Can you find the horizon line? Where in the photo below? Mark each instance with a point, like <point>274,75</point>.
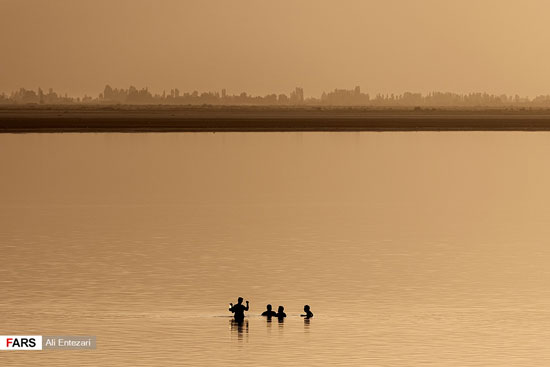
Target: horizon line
<point>336,97</point>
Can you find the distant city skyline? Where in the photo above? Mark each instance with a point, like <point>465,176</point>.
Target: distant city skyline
<point>296,97</point>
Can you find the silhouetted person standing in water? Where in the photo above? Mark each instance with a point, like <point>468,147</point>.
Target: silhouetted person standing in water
<point>239,309</point>
<point>281,312</point>
<point>308,312</point>
<point>269,312</point>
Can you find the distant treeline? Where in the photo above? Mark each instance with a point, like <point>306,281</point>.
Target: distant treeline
<point>338,97</point>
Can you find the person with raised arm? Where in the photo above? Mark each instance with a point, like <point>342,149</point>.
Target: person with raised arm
<point>238,309</point>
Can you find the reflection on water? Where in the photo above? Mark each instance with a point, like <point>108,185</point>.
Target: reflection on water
<point>413,249</point>
<point>240,327</point>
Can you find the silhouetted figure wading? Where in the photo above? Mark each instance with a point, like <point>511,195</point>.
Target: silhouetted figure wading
<point>238,309</point>
<point>308,312</point>
<point>269,312</point>
<point>281,312</point>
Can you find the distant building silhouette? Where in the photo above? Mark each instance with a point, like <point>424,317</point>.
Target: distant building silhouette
<point>297,96</point>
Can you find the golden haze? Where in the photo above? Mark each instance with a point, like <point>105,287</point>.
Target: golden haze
<point>272,46</point>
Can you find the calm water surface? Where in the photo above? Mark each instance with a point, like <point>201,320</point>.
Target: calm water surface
<point>413,249</point>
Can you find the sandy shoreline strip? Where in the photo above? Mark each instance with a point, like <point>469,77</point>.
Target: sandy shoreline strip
<point>45,119</point>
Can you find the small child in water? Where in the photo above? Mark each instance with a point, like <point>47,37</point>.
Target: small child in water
<point>281,312</point>
<point>308,312</point>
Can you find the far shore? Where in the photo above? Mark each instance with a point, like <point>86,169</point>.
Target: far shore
<point>167,118</point>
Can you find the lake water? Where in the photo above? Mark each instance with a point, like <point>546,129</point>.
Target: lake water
<point>413,249</point>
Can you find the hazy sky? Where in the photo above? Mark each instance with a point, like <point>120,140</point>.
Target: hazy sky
<point>78,46</point>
